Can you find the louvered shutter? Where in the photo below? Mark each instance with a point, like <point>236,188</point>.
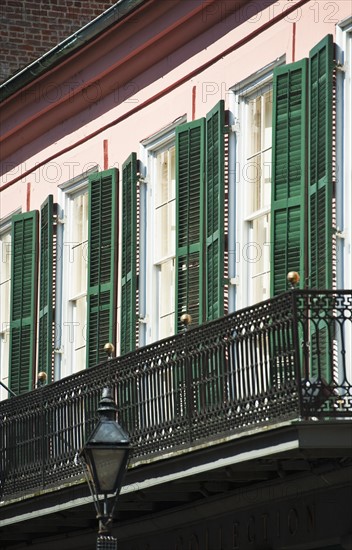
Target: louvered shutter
<point>190,140</point>
<point>215,166</point>
<point>23,301</point>
<point>320,190</point>
<point>288,206</point>
<point>102,264</point>
<point>129,301</point>
<point>46,286</point>
<point>320,163</point>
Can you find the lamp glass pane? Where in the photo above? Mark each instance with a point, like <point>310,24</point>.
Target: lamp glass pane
<point>108,463</point>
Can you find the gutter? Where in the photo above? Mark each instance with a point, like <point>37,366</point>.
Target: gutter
<point>108,18</point>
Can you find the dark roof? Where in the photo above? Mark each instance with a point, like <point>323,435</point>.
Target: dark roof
<point>108,18</point>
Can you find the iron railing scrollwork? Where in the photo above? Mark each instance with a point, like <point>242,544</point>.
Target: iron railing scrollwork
<point>286,358</point>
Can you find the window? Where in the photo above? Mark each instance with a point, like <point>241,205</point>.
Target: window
<point>5,292</point>
<point>89,264</point>
<point>257,172</point>
<point>303,178</point>
<point>253,111</point>
<point>201,218</point>
<point>153,238</point>
<point>164,243</point>
<point>303,190</point>
<point>179,214</point>
<point>75,262</point>
<point>33,264</point>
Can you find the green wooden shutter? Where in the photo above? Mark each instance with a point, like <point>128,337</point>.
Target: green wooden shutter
<point>215,163</point>
<point>190,139</point>
<point>320,163</point>
<point>320,191</point>
<point>45,336</point>
<point>102,264</point>
<point>23,301</point>
<point>129,301</point>
<point>288,196</point>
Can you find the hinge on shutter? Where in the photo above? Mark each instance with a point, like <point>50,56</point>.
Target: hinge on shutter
<point>234,281</point>
<point>143,320</point>
<point>140,178</point>
<point>341,234</point>
<point>341,67</point>
<point>56,219</point>
<point>236,127</point>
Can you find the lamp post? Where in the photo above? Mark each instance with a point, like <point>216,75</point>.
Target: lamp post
<point>105,457</point>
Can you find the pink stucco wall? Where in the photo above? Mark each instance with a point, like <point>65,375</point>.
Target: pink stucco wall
<point>65,150</point>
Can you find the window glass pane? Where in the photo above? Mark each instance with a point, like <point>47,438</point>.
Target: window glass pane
<point>268,105</point>
<point>166,299</point>
<point>165,230</point>
<point>78,257</point>
<point>165,223</point>
<point>5,278</point>
<point>258,257</point>
<point>164,236</point>
<point>255,125</point>
<point>165,176</point>
<point>258,157</point>
<point>5,291</point>
<point>79,341</point>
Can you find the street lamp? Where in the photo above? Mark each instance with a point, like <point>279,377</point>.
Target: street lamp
<point>105,457</point>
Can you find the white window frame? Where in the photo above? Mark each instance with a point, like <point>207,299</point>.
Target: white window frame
<point>240,269</point>
<point>150,148</point>
<point>64,348</point>
<point>5,229</point>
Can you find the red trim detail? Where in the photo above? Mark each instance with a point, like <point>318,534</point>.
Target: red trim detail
<point>28,197</point>
<point>194,94</point>
<point>294,42</point>
<point>106,154</point>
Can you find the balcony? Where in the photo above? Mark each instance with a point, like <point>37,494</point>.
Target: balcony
<point>283,360</point>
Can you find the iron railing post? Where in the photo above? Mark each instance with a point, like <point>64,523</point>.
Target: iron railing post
<point>297,349</point>
<point>188,381</point>
<point>42,444</point>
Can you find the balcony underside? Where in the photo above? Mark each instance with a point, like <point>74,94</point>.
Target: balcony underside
<point>297,458</point>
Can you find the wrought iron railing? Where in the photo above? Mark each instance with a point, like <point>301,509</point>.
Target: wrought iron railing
<point>286,358</point>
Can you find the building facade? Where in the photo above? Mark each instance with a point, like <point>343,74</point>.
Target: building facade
<point>181,159</point>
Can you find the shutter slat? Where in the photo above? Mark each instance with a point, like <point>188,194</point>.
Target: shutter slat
<point>288,174</point>
<point>190,139</point>
<point>320,163</point>
<point>320,189</point>
<point>23,317</point>
<point>45,335</point>
<point>129,302</point>
<point>102,264</point>
<point>215,163</point>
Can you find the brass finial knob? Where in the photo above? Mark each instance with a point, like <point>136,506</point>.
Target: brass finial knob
<point>186,319</point>
<point>109,349</point>
<point>293,278</point>
<point>41,378</point>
